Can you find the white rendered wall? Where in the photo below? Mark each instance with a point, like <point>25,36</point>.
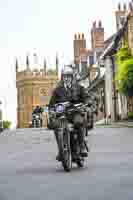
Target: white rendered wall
<point>109,89</point>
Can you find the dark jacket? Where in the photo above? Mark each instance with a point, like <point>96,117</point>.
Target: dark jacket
<point>76,94</point>
<point>37,110</point>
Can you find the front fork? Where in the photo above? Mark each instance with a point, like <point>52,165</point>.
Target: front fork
<point>59,135</point>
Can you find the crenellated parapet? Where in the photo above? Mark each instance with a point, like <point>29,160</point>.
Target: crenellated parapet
<point>35,75</point>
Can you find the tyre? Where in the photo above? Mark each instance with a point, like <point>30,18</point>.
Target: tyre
<point>37,123</point>
<point>67,159</point>
<point>64,143</point>
<point>80,163</point>
<point>33,124</point>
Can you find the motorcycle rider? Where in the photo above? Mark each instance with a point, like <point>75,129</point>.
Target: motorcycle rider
<point>75,93</point>
<point>38,111</point>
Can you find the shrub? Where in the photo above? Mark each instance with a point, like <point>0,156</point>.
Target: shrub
<point>130,115</point>
<point>124,74</point>
<point>6,124</point>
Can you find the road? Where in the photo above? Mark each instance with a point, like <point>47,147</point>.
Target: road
<point>29,171</point>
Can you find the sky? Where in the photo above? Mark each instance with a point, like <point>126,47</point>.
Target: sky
<point>44,27</point>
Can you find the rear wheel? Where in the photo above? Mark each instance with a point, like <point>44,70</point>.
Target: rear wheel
<point>80,163</point>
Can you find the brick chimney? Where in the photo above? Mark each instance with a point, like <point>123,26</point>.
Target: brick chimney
<point>97,36</point>
<point>120,14</point>
<point>78,43</point>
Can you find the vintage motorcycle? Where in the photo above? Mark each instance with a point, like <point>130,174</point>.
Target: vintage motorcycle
<point>36,121</point>
<point>68,134</point>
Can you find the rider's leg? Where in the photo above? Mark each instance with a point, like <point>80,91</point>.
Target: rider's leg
<point>79,125</point>
<point>81,135</point>
<point>54,125</point>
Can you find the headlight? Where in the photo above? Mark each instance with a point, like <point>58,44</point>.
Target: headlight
<point>60,108</point>
<point>35,116</point>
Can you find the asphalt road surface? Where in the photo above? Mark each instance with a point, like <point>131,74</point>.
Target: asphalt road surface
<point>29,171</point>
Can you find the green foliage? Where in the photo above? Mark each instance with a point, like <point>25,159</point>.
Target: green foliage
<point>124,74</point>
<point>6,124</point>
<point>123,54</point>
<point>130,115</point>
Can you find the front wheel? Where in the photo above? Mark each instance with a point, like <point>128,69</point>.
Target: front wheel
<point>67,161</point>
<point>38,124</point>
<point>64,142</point>
<point>33,124</point>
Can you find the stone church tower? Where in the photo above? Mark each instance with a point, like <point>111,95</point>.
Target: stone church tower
<point>34,87</point>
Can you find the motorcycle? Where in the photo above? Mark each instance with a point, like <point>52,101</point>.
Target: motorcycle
<point>36,121</point>
<point>68,134</point>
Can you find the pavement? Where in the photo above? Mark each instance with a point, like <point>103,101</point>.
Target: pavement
<point>29,171</point>
<point>123,123</point>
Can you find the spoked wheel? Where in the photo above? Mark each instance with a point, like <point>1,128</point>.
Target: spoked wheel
<point>67,158</point>
<point>64,144</point>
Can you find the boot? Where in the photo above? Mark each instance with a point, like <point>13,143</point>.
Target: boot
<point>58,157</point>
<point>83,151</point>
